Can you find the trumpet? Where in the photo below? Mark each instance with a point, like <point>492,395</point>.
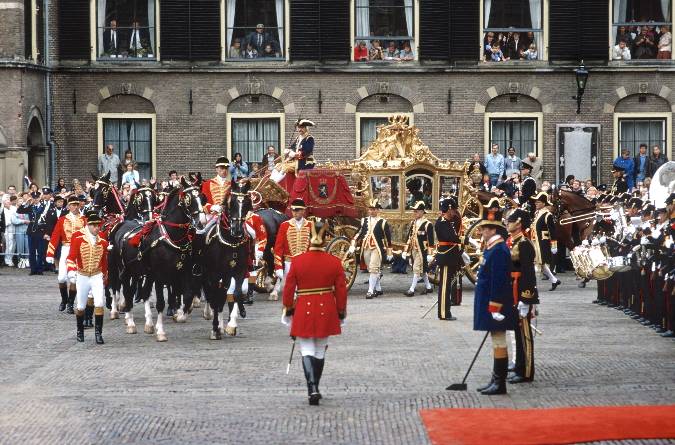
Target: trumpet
<point>584,217</point>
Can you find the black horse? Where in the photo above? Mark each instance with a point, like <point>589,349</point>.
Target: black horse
<point>226,256</point>
<point>272,220</point>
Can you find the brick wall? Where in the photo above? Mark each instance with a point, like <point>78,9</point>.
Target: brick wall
<point>11,30</point>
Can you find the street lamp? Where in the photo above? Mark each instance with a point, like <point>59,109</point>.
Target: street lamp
<point>581,74</point>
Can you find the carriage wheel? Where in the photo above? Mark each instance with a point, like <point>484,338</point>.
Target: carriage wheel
<point>472,208</point>
<point>338,247</point>
<point>473,249</point>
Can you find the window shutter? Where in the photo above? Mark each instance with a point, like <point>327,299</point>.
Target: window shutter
<point>434,30</point>
<point>594,30</point>
<point>174,18</point>
<point>564,30</point>
<point>334,30</point>
<point>74,40</point>
<point>305,30</point>
<point>204,29</point>
<point>28,32</point>
<point>464,30</point>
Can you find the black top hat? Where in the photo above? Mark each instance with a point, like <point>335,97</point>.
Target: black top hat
<point>543,197</point>
<point>298,204</point>
<point>419,205</point>
<point>522,216</point>
<point>222,162</point>
<point>93,217</point>
<point>448,203</point>
<point>491,216</point>
<point>72,199</point>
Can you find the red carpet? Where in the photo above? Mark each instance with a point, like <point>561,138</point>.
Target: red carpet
<point>450,426</point>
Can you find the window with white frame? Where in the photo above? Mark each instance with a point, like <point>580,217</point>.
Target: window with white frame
<point>519,133</point>
<point>513,30</point>
<point>367,124</point>
<point>134,135</point>
<point>125,29</point>
<point>650,131</point>
<point>252,136</point>
<point>642,29</point>
<point>255,29</point>
<point>384,30</point>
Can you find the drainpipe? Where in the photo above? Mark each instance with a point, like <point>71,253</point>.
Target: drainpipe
<point>48,92</point>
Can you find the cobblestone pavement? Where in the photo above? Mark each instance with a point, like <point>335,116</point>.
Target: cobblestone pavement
<point>387,365</point>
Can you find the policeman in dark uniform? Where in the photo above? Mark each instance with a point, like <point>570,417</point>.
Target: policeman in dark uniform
<point>448,256</point>
<point>525,293</point>
<point>528,187</point>
<point>40,209</point>
<point>620,185</point>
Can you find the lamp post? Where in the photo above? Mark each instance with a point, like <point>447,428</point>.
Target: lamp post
<point>581,75</point>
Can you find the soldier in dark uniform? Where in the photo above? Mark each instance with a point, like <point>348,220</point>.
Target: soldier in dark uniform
<point>525,293</point>
<point>528,188</point>
<point>493,300</point>
<point>448,256</point>
<point>543,237</point>
<point>41,212</point>
<point>620,185</point>
<point>419,245</point>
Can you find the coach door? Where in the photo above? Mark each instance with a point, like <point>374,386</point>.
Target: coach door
<point>577,152</point>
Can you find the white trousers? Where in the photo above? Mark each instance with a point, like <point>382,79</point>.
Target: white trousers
<point>315,347</point>
<point>244,287</point>
<point>9,248</point>
<point>95,285</point>
<point>63,268</point>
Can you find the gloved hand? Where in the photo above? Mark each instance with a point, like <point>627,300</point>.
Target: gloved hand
<point>47,237</point>
<point>285,319</point>
<point>584,243</point>
<point>216,208</point>
<point>524,309</point>
<point>72,274</point>
<point>466,258</point>
<point>595,242</point>
<point>351,250</point>
<point>496,316</point>
<point>603,239</point>
<point>292,153</point>
<point>279,273</point>
<point>430,258</point>
<point>390,258</point>
<point>644,241</point>
<point>404,255</point>
<point>554,250</point>
<point>258,255</point>
<point>49,260</point>
<point>110,247</point>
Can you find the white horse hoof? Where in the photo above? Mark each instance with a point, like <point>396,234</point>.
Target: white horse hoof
<point>114,315</point>
<point>231,331</point>
<point>181,318</point>
<point>161,337</point>
<point>216,335</point>
<point>196,302</point>
<point>131,329</point>
<point>149,329</point>
<point>121,306</point>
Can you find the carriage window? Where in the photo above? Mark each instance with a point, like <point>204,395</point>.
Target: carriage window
<point>385,189</point>
<point>126,29</point>
<point>633,132</point>
<point>512,30</point>
<point>449,186</point>
<point>255,30</point>
<point>250,137</point>
<point>520,134</point>
<point>134,135</point>
<point>641,25</point>
<point>419,187</point>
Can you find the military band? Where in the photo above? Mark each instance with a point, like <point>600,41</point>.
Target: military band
<point>543,237</point>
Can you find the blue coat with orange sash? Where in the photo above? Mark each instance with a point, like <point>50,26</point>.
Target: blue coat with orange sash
<point>321,286</point>
<point>493,292</point>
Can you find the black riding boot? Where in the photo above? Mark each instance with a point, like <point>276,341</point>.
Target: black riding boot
<point>63,288</point>
<point>98,329</point>
<point>88,316</point>
<point>318,370</point>
<point>310,376</point>
<point>80,327</point>
<point>249,295</point>
<point>242,308</point>
<point>492,381</point>
<point>501,366</point>
<point>71,301</point>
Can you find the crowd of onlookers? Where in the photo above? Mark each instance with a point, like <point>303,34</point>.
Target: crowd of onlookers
<point>372,51</point>
<point>505,46</point>
<point>642,42</point>
<point>256,45</point>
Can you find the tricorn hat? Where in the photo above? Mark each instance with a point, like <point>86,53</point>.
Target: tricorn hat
<point>222,162</point>
<point>304,123</point>
<point>491,216</point>
<point>543,197</point>
<point>93,217</point>
<point>419,205</point>
<point>522,216</point>
<point>318,235</point>
<point>298,204</point>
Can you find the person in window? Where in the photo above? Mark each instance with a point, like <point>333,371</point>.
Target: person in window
<point>250,52</point>
<point>375,52</point>
<point>665,44</point>
<point>656,160</point>
<point>131,176</point>
<point>487,46</point>
<point>270,159</point>
<point>406,53</point>
<point>645,48</point>
<point>238,168</point>
<point>112,39</point>
<point>138,40</point>
<point>268,52</point>
<point>515,47</point>
<point>361,52</point>
<point>531,52</point>
<point>259,38</point>
<point>641,162</point>
<point>392,53</point>
<point>621,51</point>
<point>626,163</point>
<point>623,34</point>
<point>235,49</point>
<point>496,54</point>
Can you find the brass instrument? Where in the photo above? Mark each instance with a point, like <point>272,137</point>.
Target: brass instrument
<point>585,216</point>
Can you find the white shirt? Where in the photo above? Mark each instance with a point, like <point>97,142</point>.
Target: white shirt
<point>620,54</point>
<point>113,38</point>
<point>135,39</point>
<point>299,222</point>
<point>9,213</point>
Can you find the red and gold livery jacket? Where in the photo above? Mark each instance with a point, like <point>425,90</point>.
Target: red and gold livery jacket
<point>255,222</point>
<point>63,232</point>
<point>291,241</point>
<point>88,258</point>
<point>215,192</point>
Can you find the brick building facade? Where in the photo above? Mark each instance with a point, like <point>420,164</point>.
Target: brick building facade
<point>189,102</point>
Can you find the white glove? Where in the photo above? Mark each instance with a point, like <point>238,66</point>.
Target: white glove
<point>72,274</point>
<point>404,255</point>
<point>215,208</point>
<point>644,241</point>
<point>351,250</point>
<point>496,316</point>
<point>285,320</point>
<point>342,322</point>
<point>523,308</point>
<point>110,247</point>
<point>258,255</point>
<point>390,258</point>
<point>595,242</point>
<point>603,239</point>
<point>430,258</point>
<point>292,153</point>
<point>584,243</point>
<point>47,237</point>
<point>466,258</point>
<point>554,250</point>
<point>279,273</point>
<point>49,260</point>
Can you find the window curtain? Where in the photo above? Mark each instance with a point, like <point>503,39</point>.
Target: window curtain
<point>231,8</point>
<point>111,133</point>
<point>535,16</point>
<point>665,9</point>
<point>270,137</point>
<point>498,134</point>
<point>280,25</point>
<point>527,142</point>
<point>620,9</point>
<point>486,10</point>
<point>102,4</point>
<point>140,144</point>
<point>409,21</point>
<point>363,18</point>
<point>369,131</point>
<point>151,25</point>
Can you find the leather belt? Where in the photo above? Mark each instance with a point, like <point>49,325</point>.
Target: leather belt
<point>315,291</point>
<point>447,243</point>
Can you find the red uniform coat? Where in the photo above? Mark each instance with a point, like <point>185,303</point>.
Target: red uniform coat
<point>256,223</point>
<point>64,229</point>
<point>214,192</point>
<point>86,258</point>
<point>316,313</point>
<point>291,241</point>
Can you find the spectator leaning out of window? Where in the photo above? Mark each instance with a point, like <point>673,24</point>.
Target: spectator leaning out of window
<point>392,53</point>
<point>645,48</point>
<point>235,49</point>
<point>531,52</point>
<point>361,52</point>
<point>375,52</point>
<point>406,53</point>
<point>665,44</point>
<point>621,51</point>
<point>496,54</point>
<point>656,160</point>
<point>626,162</point>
